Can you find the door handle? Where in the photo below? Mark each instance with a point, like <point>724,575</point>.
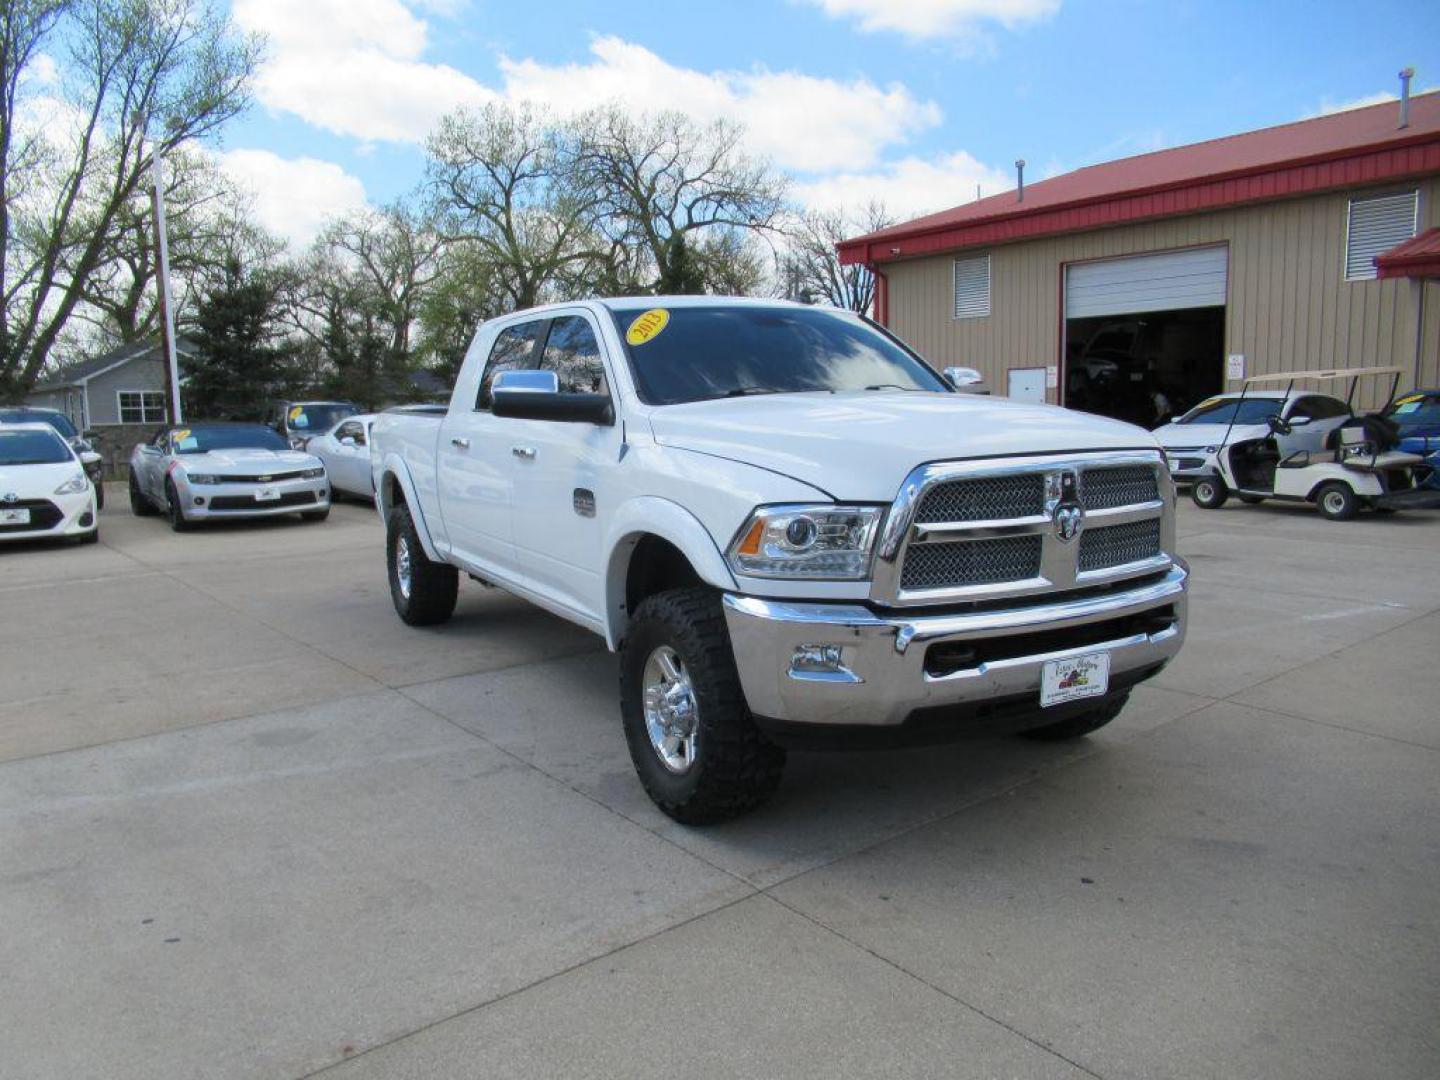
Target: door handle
<point>526,453</point>
<point>463,444</point>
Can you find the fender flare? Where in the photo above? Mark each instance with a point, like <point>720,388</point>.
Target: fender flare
<point>653,516</point>
<point>394,465</point>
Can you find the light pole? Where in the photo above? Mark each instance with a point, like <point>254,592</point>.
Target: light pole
<point>162,247</point>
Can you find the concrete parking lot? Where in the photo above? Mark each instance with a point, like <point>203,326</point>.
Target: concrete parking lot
<point>252,825</point>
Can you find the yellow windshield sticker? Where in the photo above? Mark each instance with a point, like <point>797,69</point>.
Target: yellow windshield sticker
<point>1208,402</point>
<point>647,326</point>
<point>183,433</point>
<point>1412,397</point>
<point>296,412</point>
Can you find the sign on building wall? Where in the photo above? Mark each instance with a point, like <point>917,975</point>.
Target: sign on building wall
<point>1235,366</point>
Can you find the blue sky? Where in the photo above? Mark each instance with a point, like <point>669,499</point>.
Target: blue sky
<point>912,101</point>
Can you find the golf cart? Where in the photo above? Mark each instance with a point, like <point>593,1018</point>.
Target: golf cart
<point>1358,465</point>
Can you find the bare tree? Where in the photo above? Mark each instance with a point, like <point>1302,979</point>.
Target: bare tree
<point>393,255</point>
<point>209,227</point>
<point>135,75</point>
<point>810,267</point>
<point>501,182</point>
<point>669,190</point>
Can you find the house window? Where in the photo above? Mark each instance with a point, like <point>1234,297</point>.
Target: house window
<point>142,406</point>
<point>972,287</point>
<point>1377,223</point>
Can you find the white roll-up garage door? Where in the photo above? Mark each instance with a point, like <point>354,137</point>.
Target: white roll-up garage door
<point>1166,282</point>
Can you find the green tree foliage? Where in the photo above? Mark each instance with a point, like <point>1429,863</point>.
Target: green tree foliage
<point>241,356</point>
<point>136,76</point>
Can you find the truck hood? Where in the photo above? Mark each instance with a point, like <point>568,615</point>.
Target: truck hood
<point>861,445</point>
<point>247,461</point>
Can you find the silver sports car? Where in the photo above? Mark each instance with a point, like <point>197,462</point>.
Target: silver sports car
<point>209,471</point>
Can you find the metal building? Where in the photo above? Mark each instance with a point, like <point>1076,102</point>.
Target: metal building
<point>1314,244</point>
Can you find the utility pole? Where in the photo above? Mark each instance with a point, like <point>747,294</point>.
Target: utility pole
<point>162,247</point>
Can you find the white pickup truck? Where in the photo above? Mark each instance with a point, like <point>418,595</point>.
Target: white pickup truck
<point>792,529</point>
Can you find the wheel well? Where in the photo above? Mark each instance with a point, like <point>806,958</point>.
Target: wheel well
<point>392,493</point>
<point>655,566</point>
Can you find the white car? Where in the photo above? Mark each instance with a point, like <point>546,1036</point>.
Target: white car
<point>44,491</point>
<point>1191,441</point>
<point>345,451</point>
<point>212,471</point>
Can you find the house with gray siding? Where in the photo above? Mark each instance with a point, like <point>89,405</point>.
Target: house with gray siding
<point>120,395</point>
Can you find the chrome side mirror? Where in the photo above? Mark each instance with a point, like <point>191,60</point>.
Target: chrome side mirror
<point>963,376</point>
<point>527,382</point>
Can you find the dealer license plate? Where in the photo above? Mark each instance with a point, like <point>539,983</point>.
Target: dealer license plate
<point>267,495</point>
<point>14,517</point>
<point>1074,678</point>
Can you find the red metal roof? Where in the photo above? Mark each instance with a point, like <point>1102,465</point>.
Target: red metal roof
<point>1358,146</point>
<point>1418,257</point>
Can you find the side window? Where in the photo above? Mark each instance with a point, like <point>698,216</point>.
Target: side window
<point>1324,408</point>
<point>514,350</point>
<point>574,355</point>
<point>348,431</point>
<point>359,433</point>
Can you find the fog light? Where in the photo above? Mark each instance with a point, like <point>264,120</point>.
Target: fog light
<point>87,519</point>
<point>199,500</point>
<point>817,658</point>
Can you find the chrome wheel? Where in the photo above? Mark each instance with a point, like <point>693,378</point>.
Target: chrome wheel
<point>402,566</point>
<point>672,716</point>
<point>1335,502</point>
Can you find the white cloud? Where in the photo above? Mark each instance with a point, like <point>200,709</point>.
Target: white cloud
<point>294,197</point>
<point>802,122</point>
<point>354,67</point>
<point>910,187</point>
<point>1328,106</point>
<point>938,18</point>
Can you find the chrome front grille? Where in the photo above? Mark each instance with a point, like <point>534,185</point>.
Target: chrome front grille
<point>986,498</point>
<point>971,562</point>
<point>1107,488</point>
<point>1021,526</point>
<point>1117,545</point>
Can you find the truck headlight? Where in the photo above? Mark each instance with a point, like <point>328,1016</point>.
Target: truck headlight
<point>824,542</point>
<point>203,478</point>
<point>75,485</point>
<point>313,474</point>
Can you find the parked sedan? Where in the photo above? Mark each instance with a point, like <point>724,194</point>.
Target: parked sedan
<point>44,491</point>
<point>209,471</point>
<point>345,450</point>
<point>1190,441</point>
<point>90,458</point>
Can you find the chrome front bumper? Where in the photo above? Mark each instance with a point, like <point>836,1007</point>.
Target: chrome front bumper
<point>882,677</point>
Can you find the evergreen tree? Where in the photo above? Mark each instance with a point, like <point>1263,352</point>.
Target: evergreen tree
<point>240,358</point>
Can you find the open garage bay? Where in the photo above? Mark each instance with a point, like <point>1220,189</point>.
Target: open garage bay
<point>252,825</point>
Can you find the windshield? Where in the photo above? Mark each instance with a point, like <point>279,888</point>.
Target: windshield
<point>1223,410</point>
<point>317,417</point>
<point>701,353</point>
<point>59,421</point>
<point>1414,410</point>
<point>33,448</point>
<point>201,440</point>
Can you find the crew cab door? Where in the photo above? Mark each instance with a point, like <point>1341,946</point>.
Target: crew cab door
<point>560,473</point>
<point>474,465</point>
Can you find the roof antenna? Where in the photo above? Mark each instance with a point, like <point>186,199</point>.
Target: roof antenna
<point>1020,180</point>
<point>1406,75</point>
